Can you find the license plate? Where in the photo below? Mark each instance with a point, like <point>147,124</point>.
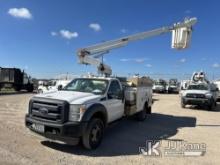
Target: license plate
<point>38,127</point>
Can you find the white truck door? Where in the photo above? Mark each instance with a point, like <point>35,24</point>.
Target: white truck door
<point>114,103</point>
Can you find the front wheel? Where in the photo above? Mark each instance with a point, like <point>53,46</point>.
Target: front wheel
<point>93,135</point>
<point>183,105</point>
<point>142,115</point>
<point>212,105</point>
<point>149,110</point>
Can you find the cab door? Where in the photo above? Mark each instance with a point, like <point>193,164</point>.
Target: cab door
<point>114,102</point>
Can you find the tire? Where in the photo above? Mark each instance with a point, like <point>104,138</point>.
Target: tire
<point>182,104</point>
<point>93,135</point>
<point>142,115</point>
<point>17,88</point>
<point>30,87</point>
<point>60,87</point>
<point>212,105</point>
<point>148,110</point>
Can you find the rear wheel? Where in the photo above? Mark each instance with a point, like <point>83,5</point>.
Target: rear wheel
<point>17,88</point>
<point>142,115</point>
<point>60,87</point>
<point>93,134</point>
<point>211,106</point>
<point>148,110</point>
<point>183,105</point>
<point>30,87</point>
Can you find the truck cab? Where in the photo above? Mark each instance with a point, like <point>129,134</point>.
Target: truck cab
<point>172,86</point>
<point>217,83</point>
<point>84,108</point>
<point>203,94</point>
<point>159,86</point>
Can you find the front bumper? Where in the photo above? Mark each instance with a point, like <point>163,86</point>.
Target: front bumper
<point>158,90</point>
<point>174,90</point>
<point>196,101</point>
<point>62,132</point>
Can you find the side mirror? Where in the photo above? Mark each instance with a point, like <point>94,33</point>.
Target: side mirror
<point>217,89</point>
<point>119,95</point>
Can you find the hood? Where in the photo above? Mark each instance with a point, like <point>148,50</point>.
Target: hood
<point>158,86</point>
<point>173,86</point>
<point>72,97</point>
<point>196,91</point>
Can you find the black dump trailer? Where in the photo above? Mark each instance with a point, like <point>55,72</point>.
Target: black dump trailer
<point>14,78</point>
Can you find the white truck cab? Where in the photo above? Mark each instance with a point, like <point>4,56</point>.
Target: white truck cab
<point>85,107</point>
<point>200,92</point>
<point>172,86</point>
<point>159,86</point>
<point>217,83</point>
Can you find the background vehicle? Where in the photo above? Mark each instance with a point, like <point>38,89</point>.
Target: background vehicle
<point>159,86</point>
<point>14,78</point>
<point>217,83</point>
<point>52,85</point>
<point>200,92</point>
<point>172,86</point>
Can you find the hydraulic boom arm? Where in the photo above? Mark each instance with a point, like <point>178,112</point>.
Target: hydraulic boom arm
<point>180,40</point>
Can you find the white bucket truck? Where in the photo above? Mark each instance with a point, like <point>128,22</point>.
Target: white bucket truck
<point>85,107</point>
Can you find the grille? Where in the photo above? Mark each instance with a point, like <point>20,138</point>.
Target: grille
<point>191,95</point>
<point>49,110</point>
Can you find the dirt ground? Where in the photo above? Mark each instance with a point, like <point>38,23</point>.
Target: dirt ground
<point>168,123</point>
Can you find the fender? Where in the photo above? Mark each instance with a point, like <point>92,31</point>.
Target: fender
<point>95,108</point>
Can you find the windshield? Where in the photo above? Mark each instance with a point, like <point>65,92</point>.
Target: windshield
<point>88,85</point>
<point>51,83</point>
<point>197,87</point>
<point>159,83</point>
<point>173,83</point>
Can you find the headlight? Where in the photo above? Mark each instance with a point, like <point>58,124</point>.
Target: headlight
<point>76,112</point>
<point>208,95</point>
<point>183,94</point>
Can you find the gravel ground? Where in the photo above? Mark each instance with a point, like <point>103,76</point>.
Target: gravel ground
<point>168,123</point>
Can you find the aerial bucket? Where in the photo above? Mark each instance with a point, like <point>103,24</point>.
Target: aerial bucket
<point>181,37</point>
<point>199,77</point>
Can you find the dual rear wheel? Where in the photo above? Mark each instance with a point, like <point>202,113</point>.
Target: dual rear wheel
<point>142,115</point>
